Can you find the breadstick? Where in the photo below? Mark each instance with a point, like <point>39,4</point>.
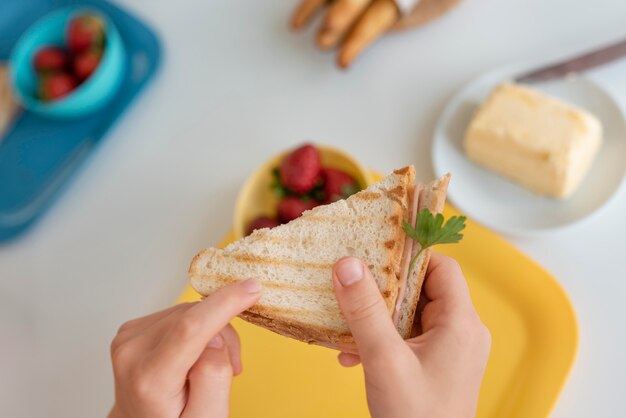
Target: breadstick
<point>305,11</point>
<point>376,20</point>
<point>340,16</point>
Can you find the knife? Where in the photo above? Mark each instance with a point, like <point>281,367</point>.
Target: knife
<point>575,65</point>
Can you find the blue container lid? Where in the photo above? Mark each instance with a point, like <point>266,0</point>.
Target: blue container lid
<point>40,155</point>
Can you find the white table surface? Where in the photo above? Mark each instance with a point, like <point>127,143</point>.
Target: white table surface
<point>236,87</point>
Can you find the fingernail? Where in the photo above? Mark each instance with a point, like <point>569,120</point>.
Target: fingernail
<point>349,271</point>
<point>251,285</point>
<point>217,342</point>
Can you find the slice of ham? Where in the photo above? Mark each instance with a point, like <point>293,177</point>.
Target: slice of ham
<point>408,253</point>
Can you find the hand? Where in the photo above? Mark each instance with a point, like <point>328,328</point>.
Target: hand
<point>354,23</point>
<point>180,362</point>
<point>437,374</point>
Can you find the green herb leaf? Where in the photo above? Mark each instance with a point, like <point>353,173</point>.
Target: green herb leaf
<point>348,190</point>
<point>430,230</point>
<point>317,193</point>
<point>277,186</point>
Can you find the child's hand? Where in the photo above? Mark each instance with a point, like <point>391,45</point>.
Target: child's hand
<point>437,374</point>
<point>180,362</point>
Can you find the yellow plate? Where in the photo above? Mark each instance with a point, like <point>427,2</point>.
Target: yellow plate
<point>535,339</point>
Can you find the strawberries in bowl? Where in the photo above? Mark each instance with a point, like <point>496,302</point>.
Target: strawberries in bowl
<point>292,207</point>
<point>85,32</point>
<point>55,86</point>
<point>86,63</point>
<point>300,170</point>
<point>338,185</point>
<point>261,222</point>
<point>62,68</point>
<point>48,47</point>
<point>51,59</point>
<point>302,179</point>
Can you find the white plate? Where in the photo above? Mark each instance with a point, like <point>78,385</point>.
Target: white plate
<point>504,206</point>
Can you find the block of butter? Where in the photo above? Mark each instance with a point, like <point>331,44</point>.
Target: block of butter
<point>542,143</point>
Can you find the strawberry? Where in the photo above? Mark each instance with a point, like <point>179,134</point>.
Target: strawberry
<point>84,32</point>
<point>50,59</point>
<point>55,86</point>
<point>86,63</point>
<point>337,185</point>
<point>261,222</point>
<point>300,170</point>
<point>291,207</point>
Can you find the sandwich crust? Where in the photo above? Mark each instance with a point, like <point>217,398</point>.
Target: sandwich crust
<point>298,330</point>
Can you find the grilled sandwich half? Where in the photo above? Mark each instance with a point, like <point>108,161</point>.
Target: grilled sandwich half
<point>294,261</point>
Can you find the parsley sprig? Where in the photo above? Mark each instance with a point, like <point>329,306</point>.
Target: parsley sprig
<point>430,230</point>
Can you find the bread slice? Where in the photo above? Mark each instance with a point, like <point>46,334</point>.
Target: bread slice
<point>433,197</point>
<point>294,261</point>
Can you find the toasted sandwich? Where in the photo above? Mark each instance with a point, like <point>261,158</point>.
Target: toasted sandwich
<point>294,261</point>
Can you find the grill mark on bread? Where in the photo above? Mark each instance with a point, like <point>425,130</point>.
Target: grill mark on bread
<point>390,244</point>
<point>249,258</point>
<point>394,219</point>
<point>393,195</point>
<point>386,294</point>
<point>401,171</point>
<point>336,218</point>
<point>271,285</point>
<point>398,192</point>
<point>367,196</point>
<point>387,269</point>
<point>274,309</point>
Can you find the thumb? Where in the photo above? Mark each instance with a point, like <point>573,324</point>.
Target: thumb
<point>364,309</point>
<point>209,382</point>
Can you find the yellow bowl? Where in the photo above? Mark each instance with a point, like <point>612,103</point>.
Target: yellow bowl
<point>256,197</point>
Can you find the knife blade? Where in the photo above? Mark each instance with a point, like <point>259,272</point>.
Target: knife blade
<point>577,64</point>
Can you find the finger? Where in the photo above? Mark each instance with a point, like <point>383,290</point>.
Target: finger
<point>149,327</point>
<point>348,359</point>
<point>376,20</point>
<point>209,382</point>
<point>187,338</point>
<point>447,291</point>
<point>364,309</point>
<point>151,336</point>
<point>340,16</point>
<point>305,11</point>
<point>445,282</point>
<point>346,348</point>
<point>147,320</point>
<point>234,348</point>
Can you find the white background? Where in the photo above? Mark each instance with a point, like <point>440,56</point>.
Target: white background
<point>235,88</point>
